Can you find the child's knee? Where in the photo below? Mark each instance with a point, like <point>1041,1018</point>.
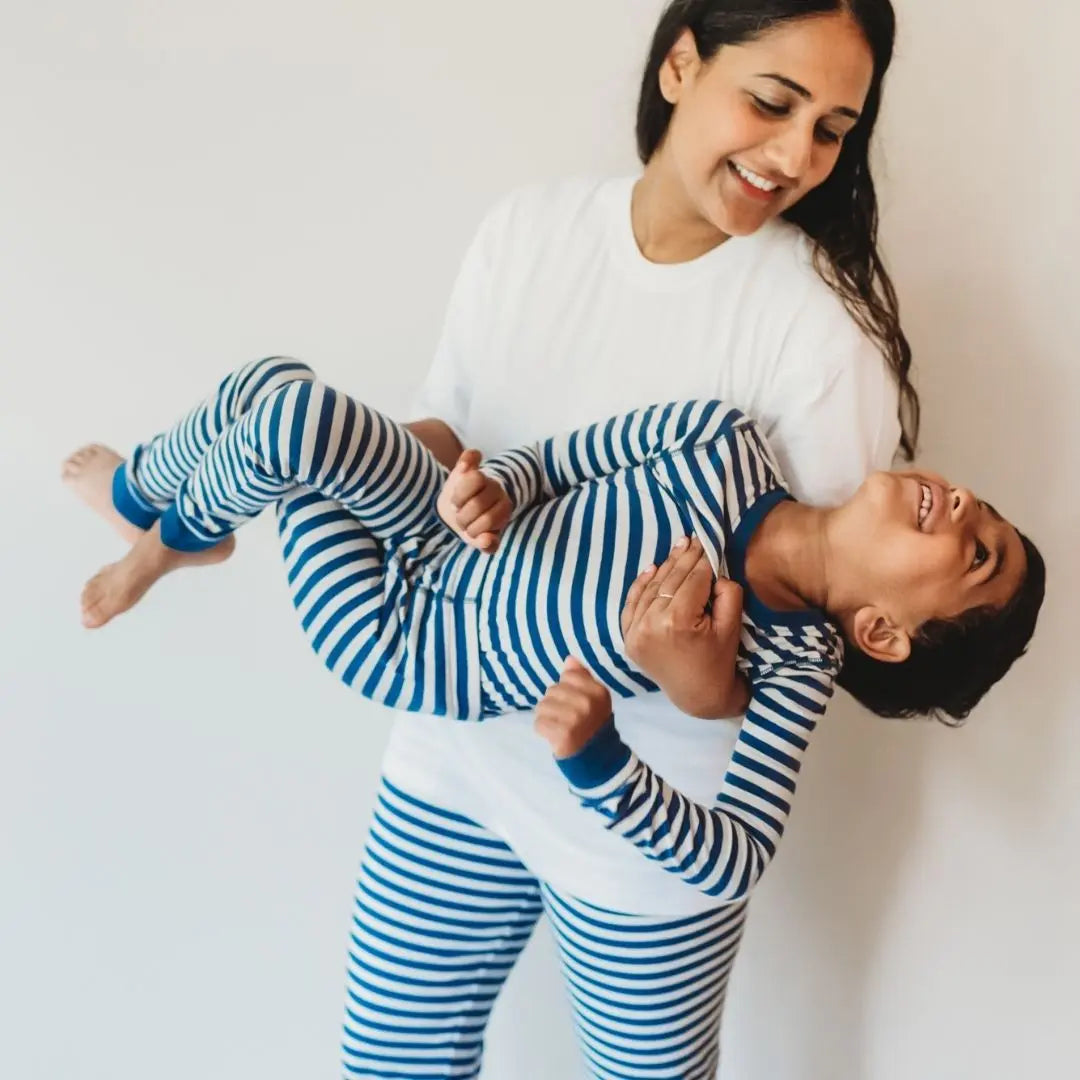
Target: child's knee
<point>262,377</point>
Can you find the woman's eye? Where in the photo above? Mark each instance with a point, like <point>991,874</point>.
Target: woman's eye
<point>768,107</point>
<point>981,555</point>
<point>827,136</point>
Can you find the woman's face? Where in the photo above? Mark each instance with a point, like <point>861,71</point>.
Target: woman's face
<point>762,124</point>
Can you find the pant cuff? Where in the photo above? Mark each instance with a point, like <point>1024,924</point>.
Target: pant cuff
<point>178,536</point>
<point>129,504</point>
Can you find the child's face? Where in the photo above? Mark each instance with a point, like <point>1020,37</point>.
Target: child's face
<point>926,550</point>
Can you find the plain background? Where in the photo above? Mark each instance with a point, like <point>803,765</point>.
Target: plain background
<point>185,187</point>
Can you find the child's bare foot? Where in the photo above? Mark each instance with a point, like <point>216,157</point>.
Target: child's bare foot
<point>121,585</point>
<point>89,473</point>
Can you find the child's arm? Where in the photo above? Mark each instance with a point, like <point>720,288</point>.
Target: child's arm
<point>540,471</point>
<point>721,850</point>
<point>532,474</point>
<point>631,439</point>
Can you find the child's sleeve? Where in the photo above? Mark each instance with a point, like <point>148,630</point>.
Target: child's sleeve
<point>724,849</point>
<point>542,471</point>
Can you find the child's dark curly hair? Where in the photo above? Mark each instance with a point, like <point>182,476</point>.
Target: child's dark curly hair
<point>953,662</point>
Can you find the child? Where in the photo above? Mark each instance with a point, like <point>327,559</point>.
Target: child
<point>929,591</point>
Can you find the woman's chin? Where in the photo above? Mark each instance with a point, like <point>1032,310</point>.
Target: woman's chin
<point>741,220</point>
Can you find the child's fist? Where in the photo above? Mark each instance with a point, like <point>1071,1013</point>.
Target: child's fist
<point>474,504</point>
<point>573,710</point>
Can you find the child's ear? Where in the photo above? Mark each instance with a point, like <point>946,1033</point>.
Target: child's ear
<point>875,634</point>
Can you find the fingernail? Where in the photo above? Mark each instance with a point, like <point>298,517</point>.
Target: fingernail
<point>681,545</point>
<point>650,569</point>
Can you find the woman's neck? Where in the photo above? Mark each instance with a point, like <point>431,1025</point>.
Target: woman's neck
<point>667,228</point>
<point>786,559</point>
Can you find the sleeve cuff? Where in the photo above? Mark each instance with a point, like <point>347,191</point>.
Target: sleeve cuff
<point>598,760</point>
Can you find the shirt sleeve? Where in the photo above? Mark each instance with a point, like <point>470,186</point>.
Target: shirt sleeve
<point>834,419</point>
<point>546,470</point>
<point>446,391</point>
<point>724,849</point>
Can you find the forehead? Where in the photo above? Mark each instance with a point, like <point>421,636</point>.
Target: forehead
<point>827,54</point>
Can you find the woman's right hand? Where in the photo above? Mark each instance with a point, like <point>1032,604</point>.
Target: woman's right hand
<point>473,504</point>
<point>687,649</point>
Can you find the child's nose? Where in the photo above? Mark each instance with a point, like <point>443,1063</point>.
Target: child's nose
<point>963,503</point>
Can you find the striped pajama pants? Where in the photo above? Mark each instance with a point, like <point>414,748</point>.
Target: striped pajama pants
<point>442,910</point>
<point>385,592</point>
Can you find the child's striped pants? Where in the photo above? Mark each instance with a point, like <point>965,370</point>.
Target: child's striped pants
<point>381,585</point>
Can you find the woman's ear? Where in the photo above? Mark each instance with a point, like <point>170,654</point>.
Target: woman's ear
<point>874,633</point>
<point>679,67</point>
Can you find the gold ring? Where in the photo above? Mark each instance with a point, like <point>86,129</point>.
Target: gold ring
<point>666,595</point>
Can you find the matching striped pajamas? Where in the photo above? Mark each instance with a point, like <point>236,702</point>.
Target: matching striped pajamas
<point>403,611</point>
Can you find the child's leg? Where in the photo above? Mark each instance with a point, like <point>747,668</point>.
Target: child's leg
<point>148,481</point>
<point>130,495</point>
<point>301,434</point>
<point>307,434</point>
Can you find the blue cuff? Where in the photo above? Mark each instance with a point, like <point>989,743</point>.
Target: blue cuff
<point>598,760</point>
<point>127,502</point>
<point>176,535</point>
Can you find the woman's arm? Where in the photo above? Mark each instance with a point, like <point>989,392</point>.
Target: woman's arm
<point>439,438</point>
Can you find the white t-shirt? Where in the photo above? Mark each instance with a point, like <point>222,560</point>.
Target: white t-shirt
<point>557,320</point>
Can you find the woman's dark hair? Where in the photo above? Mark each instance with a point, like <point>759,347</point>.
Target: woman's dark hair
<point>953,662</point>
<point>841,215</point>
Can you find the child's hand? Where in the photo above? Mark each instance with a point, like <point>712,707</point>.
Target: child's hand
<point>473,504</point>
<point>573,710</point>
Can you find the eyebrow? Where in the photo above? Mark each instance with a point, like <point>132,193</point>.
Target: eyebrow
<point>999,565</point>
<point>804,93</point>
<point>999,551</point>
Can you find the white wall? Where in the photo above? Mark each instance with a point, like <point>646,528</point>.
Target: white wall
<point>182,797</point>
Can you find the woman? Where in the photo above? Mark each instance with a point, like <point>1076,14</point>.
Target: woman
<point>742,264</point>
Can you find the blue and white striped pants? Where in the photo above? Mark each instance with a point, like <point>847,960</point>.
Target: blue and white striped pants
<point>442,910</point>
<point>380,584</point>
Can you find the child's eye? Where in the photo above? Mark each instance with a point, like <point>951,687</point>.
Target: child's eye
<point>981,555</point>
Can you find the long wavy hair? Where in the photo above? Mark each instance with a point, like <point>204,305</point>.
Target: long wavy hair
<point>841,215</point>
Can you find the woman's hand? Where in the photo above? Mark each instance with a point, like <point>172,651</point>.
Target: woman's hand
<point>474,504</point>
<point>573,710</point>
<point>684,648</point>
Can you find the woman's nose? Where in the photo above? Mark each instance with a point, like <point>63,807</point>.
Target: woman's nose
<point>792,152</point>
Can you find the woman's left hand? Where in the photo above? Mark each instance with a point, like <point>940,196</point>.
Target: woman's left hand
<point>686,649</point>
